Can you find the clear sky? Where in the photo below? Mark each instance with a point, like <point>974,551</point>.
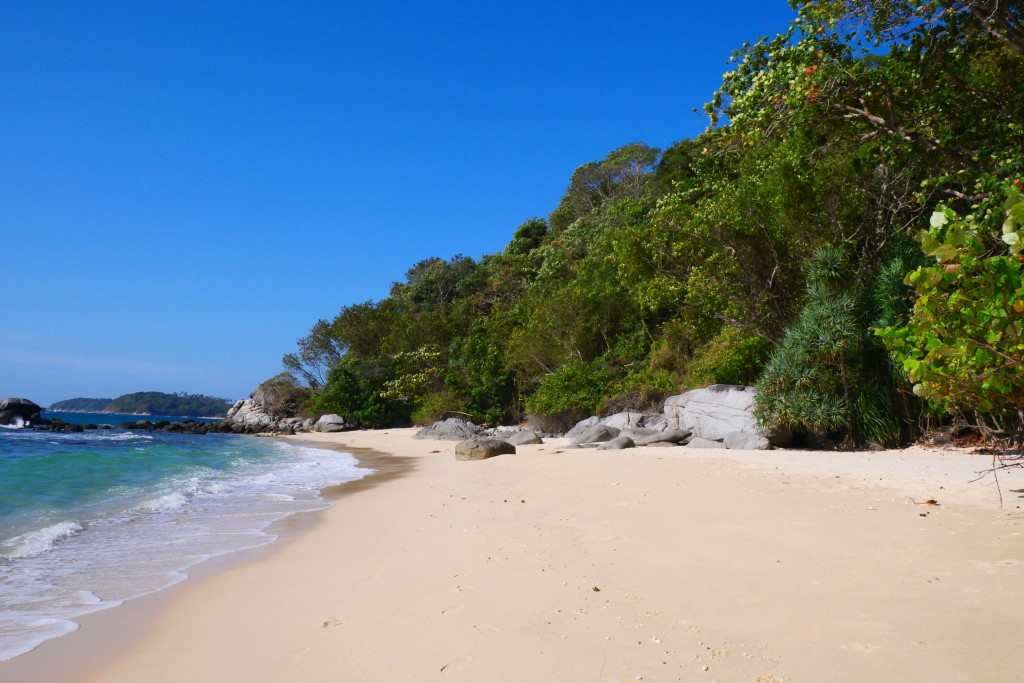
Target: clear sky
<point>185,187</point>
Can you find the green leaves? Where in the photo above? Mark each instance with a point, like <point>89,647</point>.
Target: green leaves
<point>963,347</point>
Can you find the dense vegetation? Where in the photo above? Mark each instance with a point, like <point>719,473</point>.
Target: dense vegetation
<point>82,405</point>
<point>149,402</point>
<point>844,235</point>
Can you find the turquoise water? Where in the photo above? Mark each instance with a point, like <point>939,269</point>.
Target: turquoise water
<point>91,519</point>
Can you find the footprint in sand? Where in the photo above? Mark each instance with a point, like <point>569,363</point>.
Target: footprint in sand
<point>862,648</point>
<point>993,568</point>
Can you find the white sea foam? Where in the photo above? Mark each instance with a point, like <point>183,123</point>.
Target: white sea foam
<point>55,574</point>
<point>38,541</point>
<point>165,503</point>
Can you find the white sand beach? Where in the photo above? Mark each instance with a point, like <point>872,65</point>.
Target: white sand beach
<point>557,564</point>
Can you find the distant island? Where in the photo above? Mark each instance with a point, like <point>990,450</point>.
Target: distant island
<point>149,403</point>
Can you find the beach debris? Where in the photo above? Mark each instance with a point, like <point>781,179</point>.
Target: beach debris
<point>930,501</point>
<point>596,589</point>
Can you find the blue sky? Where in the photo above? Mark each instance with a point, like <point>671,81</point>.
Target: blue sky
<point>185,187</point>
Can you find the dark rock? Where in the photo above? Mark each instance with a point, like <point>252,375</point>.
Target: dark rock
<point>582,426</point>
<point>482,448</point>
<point>523,437</point>
<point>674,436</point>
<point>18,411</point>
<point>595,434</point>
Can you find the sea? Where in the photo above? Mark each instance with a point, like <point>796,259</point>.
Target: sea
<point>91,519</point>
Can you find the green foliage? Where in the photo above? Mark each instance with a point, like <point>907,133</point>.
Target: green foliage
<point>657,270</point>
<point>353,391</point>
<point>963,346</point>
<point>732,357</point>
<point>822,377</point>
<point>282,396</point>
<point>150,402</point>
<point>575,387</point>
<point>435,405</point>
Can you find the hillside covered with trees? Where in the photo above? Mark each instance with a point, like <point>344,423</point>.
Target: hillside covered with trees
<point>844,235</point>
<point>149,402</point>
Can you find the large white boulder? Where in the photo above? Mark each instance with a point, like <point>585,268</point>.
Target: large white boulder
<point>624,420</point>
<point>330,423</point>
<point>718,411</point>
<point>250,413</point>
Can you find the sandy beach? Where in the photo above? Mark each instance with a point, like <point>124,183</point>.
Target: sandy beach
<point>556,564</point>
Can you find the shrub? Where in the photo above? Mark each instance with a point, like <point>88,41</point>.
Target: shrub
<point>827,376</point>
<point>732,357</point>
<point>577,386</point>
<point>963,346</point>
<point>433,406</point>
<point>352,391</point>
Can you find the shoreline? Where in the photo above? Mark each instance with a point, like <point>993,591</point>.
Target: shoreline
<point>727,558</point>
<point>102,635</point>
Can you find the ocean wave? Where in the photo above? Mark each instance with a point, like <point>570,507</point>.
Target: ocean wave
<point>145,536</point>
<point>173,500</point>
<point>123,436</point>
<point>39,541</point>
<point>166,503</point>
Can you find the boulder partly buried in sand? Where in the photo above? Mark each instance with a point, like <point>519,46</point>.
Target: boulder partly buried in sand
<point>698,442</point>
<point>617,444</point>
<point>747,441</point>
<point>668,436</point>
<point>523,437</point>
<point>481,449</point>
<point>595,434</point>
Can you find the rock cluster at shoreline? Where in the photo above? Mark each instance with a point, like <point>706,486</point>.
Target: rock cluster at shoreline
<point>19,411</point>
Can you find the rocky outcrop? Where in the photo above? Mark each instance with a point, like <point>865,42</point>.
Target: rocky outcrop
<point>281,396</point>
<point>482,448</point>
<point>250,415</point>
<point>452,429</point>
<point>330,423</point>
<point>714,411</point>
<point>718,411</point>
<point>19,412</point>
<point>626,420</point>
